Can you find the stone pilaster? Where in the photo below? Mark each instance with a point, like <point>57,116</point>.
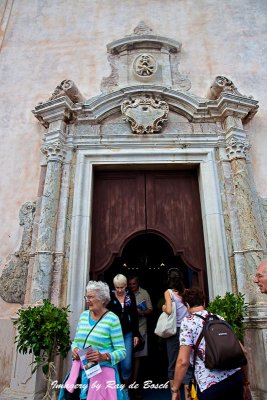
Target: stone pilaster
<point>250,242</point>
<point>248,249</point>
<point>44,260</point>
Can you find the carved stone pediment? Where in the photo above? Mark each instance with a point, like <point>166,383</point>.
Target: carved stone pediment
<point>145,114</point>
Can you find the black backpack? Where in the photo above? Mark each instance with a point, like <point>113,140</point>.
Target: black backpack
<point>223,350</point>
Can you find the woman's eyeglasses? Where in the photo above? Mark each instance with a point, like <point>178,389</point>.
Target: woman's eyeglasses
<point>87,298</point>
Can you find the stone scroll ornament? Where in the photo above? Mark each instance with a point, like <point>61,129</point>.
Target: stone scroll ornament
<point>145,114</point>
<point>14,277</point>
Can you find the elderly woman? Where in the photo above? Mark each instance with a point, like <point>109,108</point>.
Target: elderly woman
<point>123,304</point>
<point>100,329</point>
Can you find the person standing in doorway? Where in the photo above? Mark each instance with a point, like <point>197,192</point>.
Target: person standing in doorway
<point>261,276</point>
<point>175,293</point>
<point>144,309</point>
<point>123,304</point>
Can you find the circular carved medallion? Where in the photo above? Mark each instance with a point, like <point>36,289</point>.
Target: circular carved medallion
<point>145,65</point>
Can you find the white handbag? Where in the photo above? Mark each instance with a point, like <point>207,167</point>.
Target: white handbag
<point>166,325</point>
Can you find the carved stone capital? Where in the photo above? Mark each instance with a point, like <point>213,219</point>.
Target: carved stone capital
<point>54,151</point>
<point>145,114</point>
<point>236,148</point>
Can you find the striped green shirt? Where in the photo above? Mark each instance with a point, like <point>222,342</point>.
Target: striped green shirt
<point>106,337</point>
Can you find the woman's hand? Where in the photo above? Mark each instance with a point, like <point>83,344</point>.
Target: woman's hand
<point>75,353</point>
<point>94,355</point>
<point>135,341</point>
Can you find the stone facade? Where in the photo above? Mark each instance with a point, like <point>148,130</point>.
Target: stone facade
<point>146,114</point>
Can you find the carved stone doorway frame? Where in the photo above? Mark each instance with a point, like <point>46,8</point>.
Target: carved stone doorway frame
<point>213,224</point>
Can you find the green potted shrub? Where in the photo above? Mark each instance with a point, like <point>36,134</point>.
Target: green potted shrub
<point>44,331</point>
<point>233,309</point>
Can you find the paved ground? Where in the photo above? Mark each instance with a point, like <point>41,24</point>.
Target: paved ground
<point>154,394</point>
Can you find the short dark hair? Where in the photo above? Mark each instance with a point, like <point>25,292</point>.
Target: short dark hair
<point>136,277</point>
<point>194,297</point>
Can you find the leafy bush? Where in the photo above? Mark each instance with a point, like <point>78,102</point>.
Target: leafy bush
<point>44,331</point>
<point>233,309</point>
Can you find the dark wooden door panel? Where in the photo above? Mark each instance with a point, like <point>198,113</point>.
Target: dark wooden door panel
<point>118,212</point>
<point>173,209</point>
<point>164,202</point>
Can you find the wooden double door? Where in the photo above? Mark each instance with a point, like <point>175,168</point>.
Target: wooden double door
<point>129,204</point>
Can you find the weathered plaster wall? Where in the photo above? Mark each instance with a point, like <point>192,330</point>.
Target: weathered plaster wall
<point>45,41</point>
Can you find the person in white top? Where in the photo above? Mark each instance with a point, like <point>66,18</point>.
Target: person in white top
<point>175,283</point>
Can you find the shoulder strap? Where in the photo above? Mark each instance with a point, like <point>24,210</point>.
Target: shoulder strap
<point>171,294</point>
<point>94,327</point>
<point>200,316</point>
<point>198,340</point>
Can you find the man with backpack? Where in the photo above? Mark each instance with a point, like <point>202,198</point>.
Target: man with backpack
<point>215,383</point>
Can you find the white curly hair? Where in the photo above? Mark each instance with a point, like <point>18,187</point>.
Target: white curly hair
<point>101,290</point>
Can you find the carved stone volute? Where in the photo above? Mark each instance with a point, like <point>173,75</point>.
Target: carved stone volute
<point>14,277</point>
<point>69,89</point>
<point>221,84</point>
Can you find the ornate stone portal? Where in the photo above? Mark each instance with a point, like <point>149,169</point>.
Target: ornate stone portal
<point>146,115</point>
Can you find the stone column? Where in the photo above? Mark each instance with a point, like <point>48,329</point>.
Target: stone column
<point>250,239</point>
<point>45,246</point>
<point>249,246</point>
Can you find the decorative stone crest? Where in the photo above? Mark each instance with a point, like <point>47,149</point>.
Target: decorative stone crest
<point>54,151</point>
<point>236,148</point>
<point>145,114</point>
<point>145,65</point>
